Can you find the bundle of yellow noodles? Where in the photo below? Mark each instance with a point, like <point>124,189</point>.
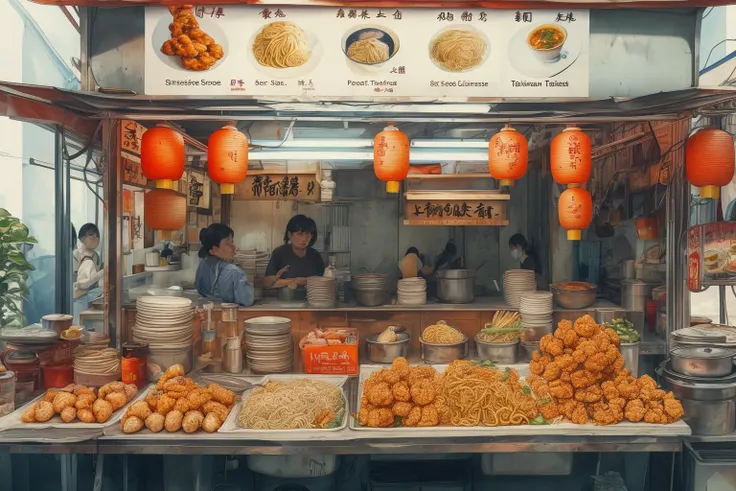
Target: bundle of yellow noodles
<point>369,50</point>
<point>458,50</point>
<point>299,404</point>
<point>441,333</point>
<point>281,44</point>
<point>478,396</point>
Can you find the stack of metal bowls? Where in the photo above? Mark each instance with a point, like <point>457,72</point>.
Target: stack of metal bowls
<point>703,378</point>
<point>371,289</point>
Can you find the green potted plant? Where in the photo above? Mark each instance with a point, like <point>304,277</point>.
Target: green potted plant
<point>13,269</point>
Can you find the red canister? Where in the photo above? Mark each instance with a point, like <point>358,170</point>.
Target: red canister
<point>57,375</point>
<point>133,364</point>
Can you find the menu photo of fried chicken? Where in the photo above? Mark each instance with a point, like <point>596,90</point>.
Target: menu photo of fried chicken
<point>196,48</point>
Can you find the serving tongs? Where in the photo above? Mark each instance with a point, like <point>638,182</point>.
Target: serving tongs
<point>230,382</point>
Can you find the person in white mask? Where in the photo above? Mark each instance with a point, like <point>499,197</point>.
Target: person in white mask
<point>523,252</point>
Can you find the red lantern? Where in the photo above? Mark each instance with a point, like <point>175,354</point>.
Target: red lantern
<point>570,157</point>
<point>227,158</point>
<point>162,156</point>
<point>508,156</point>
<point>709,161</point>
<point>164,210</point>
<point>391,157</point>
<point>575,211</point>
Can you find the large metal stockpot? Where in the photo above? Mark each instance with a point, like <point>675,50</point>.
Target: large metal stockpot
<point>702,361</point>
<point>456,285</point>
<point>634,294</point>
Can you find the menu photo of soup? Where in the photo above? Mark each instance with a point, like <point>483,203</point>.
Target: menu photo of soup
<point>719,250</point>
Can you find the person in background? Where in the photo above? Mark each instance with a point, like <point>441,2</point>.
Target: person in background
<point>87,269</point>
<point>217,278</point>
<point>295,261</point>
<point>412,264</point>
<point>448,258</point>
<point>523,252</point>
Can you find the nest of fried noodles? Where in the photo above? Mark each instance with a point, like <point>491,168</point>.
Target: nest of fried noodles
<point>578,373</point>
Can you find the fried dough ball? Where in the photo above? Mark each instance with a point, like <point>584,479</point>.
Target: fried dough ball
<point>673,409</point>
<point>131,390</point>
<point>589,394</point>
<point>80,390</point>
<point>635,411</point>
<point>423,392</point>
<point>551,345</point>
<point>381,417</point>
<point>165,404</point>
<point>400,392</point>
<point>152,399</point>
<point>45,410</point>
<point>197,398</point>
<point>86,416</point>
<point>414,416</point>
<point>182,405</point>
<point>401,409</point>
<point>131,424</point>
<point>63,400</point>
<point>110,388</point>
<point>171,372</point>
<point>221,394</point>
<point>85,401</point>
<point>155,422</point>
<point>211,423</point>
<point>29,415</point>
<point>139,409</point>
<point>69,414</point>
<point>380,395</point>
<point>50,395</point>
<point>102,409</point>
<point>116,399</point>
<point>173,421</point>
<point>192,421</point>
<point>219,409</point>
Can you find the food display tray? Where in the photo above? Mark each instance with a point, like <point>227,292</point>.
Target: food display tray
<point>231,424</point>
<point>679,428</point>
<point>14,421</point>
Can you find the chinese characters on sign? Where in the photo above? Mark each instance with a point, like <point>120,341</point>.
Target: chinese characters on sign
<point>130,151</point>
<point>303,187</point>
<point>456,212</point>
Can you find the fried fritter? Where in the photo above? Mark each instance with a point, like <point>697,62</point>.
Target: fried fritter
<point>561,390</point>
<point>380,395</point>
<point>139,409</point>
<point>211,423</point>
<point>63,400</point>
<point>173,421</point>
<point>551,345</point>
<point>585,326</point>
<point>29,415</point>
<point>86,416</point>
<point>579,414</point>
<point>673,409</point>
<point>400,392</point>
<point>102,410</point>
<point>85,401</point>
<point>552,371</point>
<point>381,417</point>
<point>402,409</point>
<point>590,394</point>
<point>414,416</point>
<point>155,422</point>
<point>192,421</point>
<point>131,424</point>
<point>635,410</point>
<point>44,411</point>
<point>69,414</point>
<point>423,392</point>
<point>219,409</point>
<point>429,416</point>
<point>221,394</point>
<point>549,410</point>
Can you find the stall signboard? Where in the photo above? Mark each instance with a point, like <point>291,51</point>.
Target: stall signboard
<point>711,255</point>
<point>455,212</point>
<point>366,53</point>
<point>278,186</point>
<point>131,134</point>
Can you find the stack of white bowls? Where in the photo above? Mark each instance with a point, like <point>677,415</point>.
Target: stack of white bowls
<point>516,282</point>
<point>412,291</point>
<point>268,344</point>
<point>254,263</point>
<point>535,309</point>
<point>321,292</point>
<point>167,325</point>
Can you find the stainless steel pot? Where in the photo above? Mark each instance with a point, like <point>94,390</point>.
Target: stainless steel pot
<point>698,389</point>
<point>456,285</point>
<point>702,361</point>
<point>628,269</point>
<point>710,417</point>
<point>387,352</point>
<point>57,322</point>
<point>371,298</point>
<point>443,353</point>
<point>630,352</point>
<point>504,353</point>
<point>634,294</point>
<point>579,298</point>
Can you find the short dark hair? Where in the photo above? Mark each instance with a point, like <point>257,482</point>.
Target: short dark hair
<point>74,237</point>
<point>301,223</point>
<point>518,240</point>
<point>212,236</point>
<point>88,229</point>
<point>412,250</point>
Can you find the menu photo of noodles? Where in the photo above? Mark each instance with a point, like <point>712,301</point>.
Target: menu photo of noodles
<point>369,47</point>
<point>187,43</point>
<point>545,50</point>
<point>283,49</point>
<point>459,49</point>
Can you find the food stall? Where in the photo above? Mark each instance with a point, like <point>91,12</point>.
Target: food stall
<point>472,210</point>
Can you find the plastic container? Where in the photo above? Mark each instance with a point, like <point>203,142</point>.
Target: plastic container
<point>527,464</point>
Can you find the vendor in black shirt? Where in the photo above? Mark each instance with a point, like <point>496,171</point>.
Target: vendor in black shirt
<point>523,252</point>
<point>296,260</point>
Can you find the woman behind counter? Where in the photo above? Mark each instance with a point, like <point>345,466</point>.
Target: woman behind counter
<point>217,277</point>
<point>295,261</point>
<point>523,252</point>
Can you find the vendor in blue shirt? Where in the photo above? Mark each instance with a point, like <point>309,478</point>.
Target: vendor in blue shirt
<point>295,261</point>
<point>217,277</point>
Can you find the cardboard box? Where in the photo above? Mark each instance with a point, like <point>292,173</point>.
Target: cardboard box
<point>338,359</point>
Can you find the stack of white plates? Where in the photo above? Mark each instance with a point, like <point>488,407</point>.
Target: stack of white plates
<point>370,281</point>
<point>412,291</point>
<point>268,344</point>
<point>254,263</point>
<point>321,292</point>
<point>536,311</point>
<point>517,282</point>
<point>164,322</point>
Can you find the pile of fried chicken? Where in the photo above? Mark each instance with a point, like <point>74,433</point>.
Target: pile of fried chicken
<point>578,373</point>
<point>404,392</point>
<point>177,402</point>
<point>80,402</point>
<point>197,49</point>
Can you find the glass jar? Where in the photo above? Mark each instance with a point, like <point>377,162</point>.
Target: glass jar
<point>7,393</point>
<point>229,312</point>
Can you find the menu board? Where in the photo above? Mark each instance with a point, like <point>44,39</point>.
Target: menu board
<point>365,53</point>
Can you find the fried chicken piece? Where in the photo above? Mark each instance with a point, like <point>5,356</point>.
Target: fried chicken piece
<point>363,413</point>
<point>567,363</point>
<point>635,411</point>
<point>381,417</point>
<point>423,392</point>
<point>629,391</point>
<point>552,371</point>
<point>380,395</point>
<point>165,404</point>
<point>192,421</point>
<point>568,336</point>
<point>585,326</point>
<point>171,372</point>
<point>538,385</point>
<point>50,395</point>
<point>609,390</point>
<point>584,349</point>
<point>131,390</point>
<point>116,399</point>
<point>389,376</point>
<point>221,394</point>
<point>131,424</point>
<point>86,416</point>
<point>402,409</point>
<point>173,421</point>
<point>549,409</point>
<point>561,390</point>
<point>414,416</point>
<point>219,409</point>
<point>102,409</point>
<point>618,402</point>
<point>63,400</point>
<point>538,363</point>
<point>673,410</point>
<point>400,365</point>
<point>582,378</point>
<point>579,415</point>
<point>429,416</point>
<point>212,423</point>
<point>652,395</point>
<point>562,327</point>
<point>646,382</point>
<point>152,398</point>
<point>400,392</point>
<point>45,411</point>
<point>85,401</point>
<point>655,416</point>
<point>69,414</point>
<point>155,422</point>
<point>177,394</point>
<point>592,393</point>
<point>565,377</point>
<point>182,404</point>
<point>595,363</point>
<point>604,414</point>
<point>612,336</point>
<point>197,398</point>
<point>551,345</point>
<point>29,415</point>
<point>420,373</point>
<point>139,409</point>
<point>567,406</point>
